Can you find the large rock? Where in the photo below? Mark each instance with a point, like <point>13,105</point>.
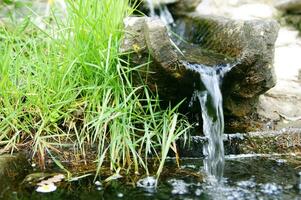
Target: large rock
<point>146,39</point>
<point>289,6</point>
<point>214,40</point>
<point>183,6</point>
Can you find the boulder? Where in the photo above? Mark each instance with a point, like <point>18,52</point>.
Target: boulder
<point>183,6</point>
<point>211,41</point>
<point>293,6</point>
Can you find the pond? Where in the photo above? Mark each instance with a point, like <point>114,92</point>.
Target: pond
<point>245,177</point>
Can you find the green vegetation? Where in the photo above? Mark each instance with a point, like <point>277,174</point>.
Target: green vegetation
<point>66,87</point>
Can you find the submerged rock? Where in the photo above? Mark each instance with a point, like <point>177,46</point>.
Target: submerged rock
<point>211,41</point>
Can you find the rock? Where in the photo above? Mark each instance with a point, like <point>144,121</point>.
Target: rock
<point>165,74</point>
<point>250,42</point>
<point>250,143</point>
<point>293,19</point>
<point>239,10</point>
<point>289,6</point>
<point>183,6</point>
<point>214,40</point>
<point>282,104</point>
<point>12,169</point>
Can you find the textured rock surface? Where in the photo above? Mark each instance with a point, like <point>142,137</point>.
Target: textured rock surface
<point>185,6</point>
<point>148,40</point>
<point>239,9</point>
<point>250,42</point>
<point>279,107</point>
<point>289,5</point>
<point>12,169</point>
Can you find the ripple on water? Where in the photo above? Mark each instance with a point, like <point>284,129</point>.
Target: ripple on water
<point>271,189</point>
<point>179,186</point>
<point>148,182</point>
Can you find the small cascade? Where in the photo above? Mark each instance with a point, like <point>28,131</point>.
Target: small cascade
<point>151,7</point>
<point>210,98</point>
<point>162,12</point>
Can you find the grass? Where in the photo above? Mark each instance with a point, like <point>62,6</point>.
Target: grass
<point>66,88</point>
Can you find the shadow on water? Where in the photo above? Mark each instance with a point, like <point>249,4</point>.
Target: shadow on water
<point>244,178</point>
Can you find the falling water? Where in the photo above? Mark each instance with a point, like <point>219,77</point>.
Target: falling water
<point>164,14</point>
<point>210,99</point>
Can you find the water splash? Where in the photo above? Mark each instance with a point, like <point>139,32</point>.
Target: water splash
<point>210,98</point>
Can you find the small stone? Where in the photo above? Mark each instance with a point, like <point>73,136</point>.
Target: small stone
<point>46,188</point>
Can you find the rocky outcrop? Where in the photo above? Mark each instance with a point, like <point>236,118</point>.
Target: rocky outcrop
<point>293,6</point>
<point>211,41</point>
<point>184,6</point>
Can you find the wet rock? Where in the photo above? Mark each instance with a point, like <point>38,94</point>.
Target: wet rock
<point>183,6</point>
<point>289,6</point>
<point>266,142</point>
<point>214,40</point>
<point>9,164</point>
<point>146,39</point>
<point>12,169</point>
<point>250,42</point>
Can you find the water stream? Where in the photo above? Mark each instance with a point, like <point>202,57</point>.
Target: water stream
<point>210,98</point>
<point>163,12</point>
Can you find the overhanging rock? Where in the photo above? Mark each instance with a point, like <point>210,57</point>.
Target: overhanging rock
<point>206,40</point>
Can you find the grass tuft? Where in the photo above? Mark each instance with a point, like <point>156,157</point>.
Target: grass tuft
<point>65,88</point>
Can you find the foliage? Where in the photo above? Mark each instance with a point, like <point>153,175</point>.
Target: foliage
<point>66,87</point>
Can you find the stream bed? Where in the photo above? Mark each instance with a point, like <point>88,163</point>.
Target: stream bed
<point>246,176</point>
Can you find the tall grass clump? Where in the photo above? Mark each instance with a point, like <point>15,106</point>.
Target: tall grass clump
<point>66,89</point>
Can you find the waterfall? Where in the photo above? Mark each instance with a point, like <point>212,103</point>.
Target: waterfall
<point>163,12</point>
<point>208,94</point>
<point>210,98</point>
<point>151,7</point>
